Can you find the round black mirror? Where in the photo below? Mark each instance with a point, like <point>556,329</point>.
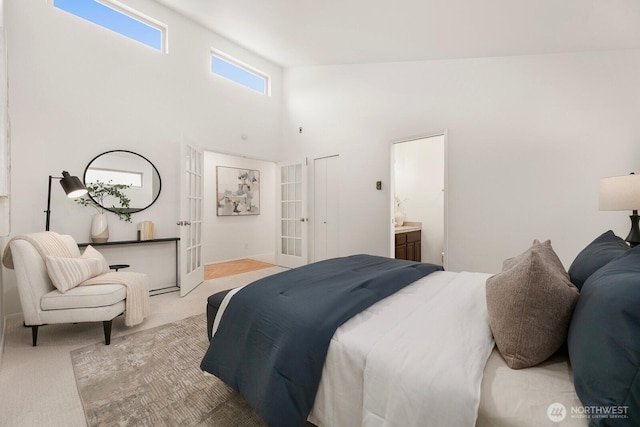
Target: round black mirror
<point>128,168</point>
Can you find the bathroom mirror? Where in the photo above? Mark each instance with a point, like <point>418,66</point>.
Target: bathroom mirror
<point>129,168</point>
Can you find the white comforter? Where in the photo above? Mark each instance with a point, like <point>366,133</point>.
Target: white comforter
<point>413,359</point>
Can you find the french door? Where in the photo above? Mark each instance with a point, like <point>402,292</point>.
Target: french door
<point>292,214</point>
<point>191,208</point>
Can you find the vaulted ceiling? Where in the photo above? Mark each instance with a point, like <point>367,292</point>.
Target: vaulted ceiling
<point>322,32</point>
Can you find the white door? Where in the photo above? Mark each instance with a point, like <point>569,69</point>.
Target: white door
<point>292,214</point>
<point>190,222</point>
<point>325,208</point>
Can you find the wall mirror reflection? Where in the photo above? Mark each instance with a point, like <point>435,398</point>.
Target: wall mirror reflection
<point>128,168</point>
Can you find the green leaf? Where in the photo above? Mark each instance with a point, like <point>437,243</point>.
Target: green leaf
<point>99,191</point>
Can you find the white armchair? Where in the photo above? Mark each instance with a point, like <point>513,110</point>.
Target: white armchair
<point>43,304</point>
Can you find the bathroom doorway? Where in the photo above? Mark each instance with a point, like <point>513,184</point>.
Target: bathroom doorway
<point>418,194</point>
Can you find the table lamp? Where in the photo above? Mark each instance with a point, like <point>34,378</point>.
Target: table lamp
<point>622,193</point>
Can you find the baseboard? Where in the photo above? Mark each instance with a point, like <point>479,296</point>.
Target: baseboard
<point>3,333</point>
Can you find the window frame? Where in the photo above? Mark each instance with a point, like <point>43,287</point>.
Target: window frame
<point>244,67</point>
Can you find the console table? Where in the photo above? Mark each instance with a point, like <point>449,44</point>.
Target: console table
<point>176,240</point>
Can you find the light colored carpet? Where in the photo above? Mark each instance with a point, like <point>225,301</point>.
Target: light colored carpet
<point>37,384</point>
<point>152,378</point>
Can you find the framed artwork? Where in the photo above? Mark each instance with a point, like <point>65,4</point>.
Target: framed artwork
<point>238,191</point>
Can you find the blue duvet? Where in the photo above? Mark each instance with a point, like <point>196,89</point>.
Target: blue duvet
<point>274,335</point>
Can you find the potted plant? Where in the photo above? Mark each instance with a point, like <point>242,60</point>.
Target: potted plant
<point>99,196</point>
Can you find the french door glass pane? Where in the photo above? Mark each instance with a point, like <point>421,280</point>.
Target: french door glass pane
<point>291,210</point>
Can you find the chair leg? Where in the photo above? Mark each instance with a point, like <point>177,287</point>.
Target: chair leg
<point>34,334</point>
<point>106,325</point>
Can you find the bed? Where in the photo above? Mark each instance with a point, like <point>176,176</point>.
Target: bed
<point>426,354</point>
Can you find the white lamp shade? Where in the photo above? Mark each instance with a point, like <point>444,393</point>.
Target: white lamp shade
<point>620,193</point>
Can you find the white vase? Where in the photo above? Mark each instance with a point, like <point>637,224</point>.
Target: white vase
<point>99,228</point>
<point>399,218</point>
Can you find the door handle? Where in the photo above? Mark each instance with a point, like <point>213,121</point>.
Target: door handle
<point>183,223</point>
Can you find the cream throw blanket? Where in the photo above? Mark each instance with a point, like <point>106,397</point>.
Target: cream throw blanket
<point>49,243</point>
<point>137,305</point>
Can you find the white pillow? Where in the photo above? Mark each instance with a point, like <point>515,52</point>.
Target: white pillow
<point>67,273</point>
<point>91,253</point>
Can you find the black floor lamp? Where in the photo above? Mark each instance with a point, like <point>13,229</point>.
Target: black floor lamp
<point>71,185</point>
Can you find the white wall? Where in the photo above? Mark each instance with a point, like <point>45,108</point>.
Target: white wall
<point>77,90</point>
<point>529,138</point>
<point>229,238</point>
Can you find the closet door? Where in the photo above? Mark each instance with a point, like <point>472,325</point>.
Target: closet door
<point>326,207</point>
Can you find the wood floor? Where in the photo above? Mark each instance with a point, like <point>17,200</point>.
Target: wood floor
<point>223,269</point>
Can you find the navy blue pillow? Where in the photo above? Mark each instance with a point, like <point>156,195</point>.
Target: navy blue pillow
<point>604,341</point>
<point>598,253</point>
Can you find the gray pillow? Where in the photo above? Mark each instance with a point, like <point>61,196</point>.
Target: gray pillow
<point>597,254</point>
<point>530,305</point>
<point>545,250</point>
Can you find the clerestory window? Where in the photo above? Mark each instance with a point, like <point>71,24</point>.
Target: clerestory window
<point>120,19</point>
<point>234,70</point>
